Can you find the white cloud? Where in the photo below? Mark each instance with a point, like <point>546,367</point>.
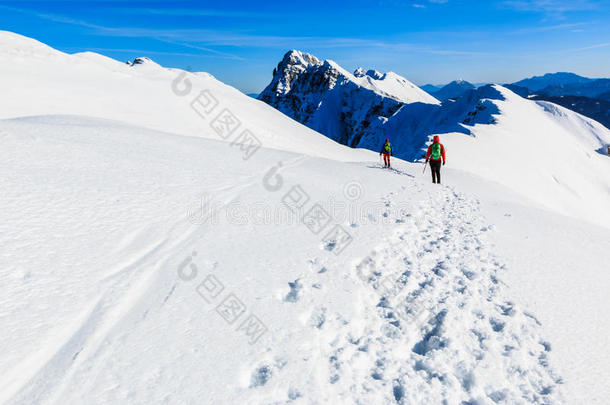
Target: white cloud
<point>193,12</point>
<point>586,48</point>
<point>557,27</point>
<point>553,8</point>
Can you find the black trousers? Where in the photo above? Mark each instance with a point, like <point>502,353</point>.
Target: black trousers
<point>435,168</point>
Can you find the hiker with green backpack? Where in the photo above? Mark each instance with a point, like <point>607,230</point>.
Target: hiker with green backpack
<point>386,150</point>
<point>436,157</point>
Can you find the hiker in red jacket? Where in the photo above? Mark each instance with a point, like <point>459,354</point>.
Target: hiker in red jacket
<point>436,155</point>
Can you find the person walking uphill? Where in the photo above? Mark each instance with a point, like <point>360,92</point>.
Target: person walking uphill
<point>436,156</point>
<point>386,150</point>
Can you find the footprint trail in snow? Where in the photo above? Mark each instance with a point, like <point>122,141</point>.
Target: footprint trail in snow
<point>431,322</point>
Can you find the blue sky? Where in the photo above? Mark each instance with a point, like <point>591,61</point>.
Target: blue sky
<point>239,42</point>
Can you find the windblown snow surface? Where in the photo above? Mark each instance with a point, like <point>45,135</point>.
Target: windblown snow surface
<point>140,265</point>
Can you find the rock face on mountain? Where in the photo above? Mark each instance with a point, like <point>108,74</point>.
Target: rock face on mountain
<point>348,108</point>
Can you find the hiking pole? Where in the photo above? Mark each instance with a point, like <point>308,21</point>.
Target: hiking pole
<point>425,164</point>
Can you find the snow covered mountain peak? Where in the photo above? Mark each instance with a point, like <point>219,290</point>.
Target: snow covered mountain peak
<point>19,46</point>
<point>143,60</point>
<point>375,74</point>
<point>372,73</point>
<point>360,72</point>
<point>145,64</point>
<point>298,67</point>
<point>295,57</point>
<point>39,80</point>
<point>343,106</point>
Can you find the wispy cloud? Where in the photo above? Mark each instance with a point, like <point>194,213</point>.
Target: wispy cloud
<point>596,46</point>
<point>556,27</point>
<point>207,40</point>
<point>96,1</point>
<point>159,35</point>
<point>141,52</point>
<point>49,17</point>
<point>193,12</point>
<point>196,37</point>
<point>553,8</point>
<point>421,3</point>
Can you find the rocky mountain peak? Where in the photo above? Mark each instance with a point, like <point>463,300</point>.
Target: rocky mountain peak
<point>375,74</point>
<point>298,58</point>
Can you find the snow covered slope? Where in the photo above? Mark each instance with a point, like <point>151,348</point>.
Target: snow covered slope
<point>542,151</point>
<point>36,79</point>
<point>114,290</point>
<point>140,266</point>
<point>390,85</point>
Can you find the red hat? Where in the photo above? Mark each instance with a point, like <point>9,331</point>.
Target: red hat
<point>387,139</point>
<point>437,139</point>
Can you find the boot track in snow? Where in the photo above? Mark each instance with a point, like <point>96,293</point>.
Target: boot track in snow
<point>434,325</point>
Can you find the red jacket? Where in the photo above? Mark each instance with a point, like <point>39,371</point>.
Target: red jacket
<point>430,152</point>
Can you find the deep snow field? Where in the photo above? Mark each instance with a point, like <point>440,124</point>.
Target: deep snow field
<point>149,256</point>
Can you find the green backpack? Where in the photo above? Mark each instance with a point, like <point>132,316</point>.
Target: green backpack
<point>436,152</point>
<point>387,148</point>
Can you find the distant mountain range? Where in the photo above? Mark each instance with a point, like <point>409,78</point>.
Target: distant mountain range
<point>453,90</point>
<point>430,88</point>
<point>538,83</point>
<point>566,84</point>
<point>599,88</point>
<point>589,97</point>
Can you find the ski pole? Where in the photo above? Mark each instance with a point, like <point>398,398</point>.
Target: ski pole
<point>425,164</point>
